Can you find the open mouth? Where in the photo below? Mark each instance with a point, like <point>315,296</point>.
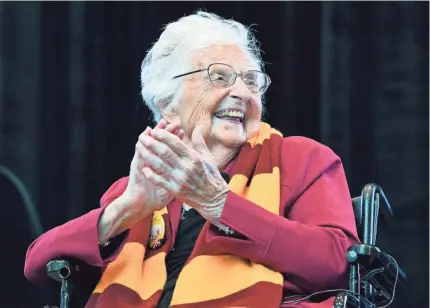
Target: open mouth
<point>230,115</point>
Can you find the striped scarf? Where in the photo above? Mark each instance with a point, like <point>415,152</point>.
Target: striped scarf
<point>137,276</point>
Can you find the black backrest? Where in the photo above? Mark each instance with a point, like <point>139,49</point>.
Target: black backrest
<point>371,209</point>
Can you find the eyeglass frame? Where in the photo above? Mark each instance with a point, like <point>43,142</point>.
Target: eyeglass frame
<point>236,74</point>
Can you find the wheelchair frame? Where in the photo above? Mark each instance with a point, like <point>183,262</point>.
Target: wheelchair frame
<point>373,274</point>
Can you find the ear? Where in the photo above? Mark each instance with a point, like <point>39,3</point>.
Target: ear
<point>168,111</point>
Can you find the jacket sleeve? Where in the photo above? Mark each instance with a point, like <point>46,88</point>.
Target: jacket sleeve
<point>77,239</point>
<point>309,244</point>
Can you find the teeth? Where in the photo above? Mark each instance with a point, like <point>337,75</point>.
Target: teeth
<point>230,113</point>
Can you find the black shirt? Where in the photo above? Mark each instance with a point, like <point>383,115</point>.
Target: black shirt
<point>189,229</point>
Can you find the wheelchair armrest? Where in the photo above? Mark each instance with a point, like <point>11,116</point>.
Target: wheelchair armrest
<point>60,270</point>
<point>372,260</point>
<point>68,272</point>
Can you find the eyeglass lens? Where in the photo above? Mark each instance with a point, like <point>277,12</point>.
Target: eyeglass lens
<point>222,75</point>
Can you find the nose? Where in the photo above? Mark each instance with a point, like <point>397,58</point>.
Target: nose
<point>240,91</point>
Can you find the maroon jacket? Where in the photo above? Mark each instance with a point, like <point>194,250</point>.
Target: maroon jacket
<point>308,245</point>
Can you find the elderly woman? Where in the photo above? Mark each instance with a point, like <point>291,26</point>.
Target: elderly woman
<point>218,210</point>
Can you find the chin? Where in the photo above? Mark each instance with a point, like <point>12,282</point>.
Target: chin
<point>230,135</point>
<point>234,143</point>
<point>232,140</point>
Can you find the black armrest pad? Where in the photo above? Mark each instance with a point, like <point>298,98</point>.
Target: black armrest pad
<point>83,276</point>
<point>60,269</point>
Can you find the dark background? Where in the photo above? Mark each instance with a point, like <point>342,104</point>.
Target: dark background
<point>351,75</point>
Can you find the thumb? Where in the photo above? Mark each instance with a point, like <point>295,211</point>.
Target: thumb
<point>198,141</point>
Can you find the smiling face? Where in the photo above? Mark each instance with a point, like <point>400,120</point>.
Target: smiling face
<point>228,115</point>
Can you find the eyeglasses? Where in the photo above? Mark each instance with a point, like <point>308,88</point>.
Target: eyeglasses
<point>223,76</point>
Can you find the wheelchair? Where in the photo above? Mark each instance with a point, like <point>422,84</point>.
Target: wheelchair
<point>373,274</point>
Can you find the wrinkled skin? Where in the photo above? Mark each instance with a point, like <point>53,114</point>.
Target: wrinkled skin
<point>189,169</point>
<point>144,196</point>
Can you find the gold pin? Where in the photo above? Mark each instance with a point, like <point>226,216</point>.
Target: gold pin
<point>158,230</point>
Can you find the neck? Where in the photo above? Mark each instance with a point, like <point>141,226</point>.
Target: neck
<point>223,155</point>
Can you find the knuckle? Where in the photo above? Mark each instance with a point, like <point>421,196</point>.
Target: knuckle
<point>182,186</point>
<point>175,138</point>
<point>195,158</point>
<point>198,165</point>
<point>144,153</point>
<point>162,134</point>
<point>164,151</point>
<point>141,137</point>
<point>191,158</point>
<point>175,188</point>
<point>148,175</point>
<point>182,180</point>
<point>164,168</point>
<point>148,141</point>
<point>190,170</point>
<point>158,165</point>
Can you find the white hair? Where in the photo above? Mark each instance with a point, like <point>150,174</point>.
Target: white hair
<point>171,54</point>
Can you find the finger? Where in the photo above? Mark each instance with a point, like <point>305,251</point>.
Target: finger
<point>137,155</point>
<point>180,134</point>
<point>173,141</point>
<point>161,150</point>
<point>147,131</point>
<point>154,162</point>
<point>181,169</point>
<point>161,124</point>
<point>158,180</point>
<point>173,128</point>
<point>198,141</point>
<point>137,162</point>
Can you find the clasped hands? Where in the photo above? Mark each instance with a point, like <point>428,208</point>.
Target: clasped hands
<point>188,173</point>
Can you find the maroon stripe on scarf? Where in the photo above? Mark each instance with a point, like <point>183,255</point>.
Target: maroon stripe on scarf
<point>262,294</point>
<point>247,159</point>
<point>269,155</point>
<point>119,296</point>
